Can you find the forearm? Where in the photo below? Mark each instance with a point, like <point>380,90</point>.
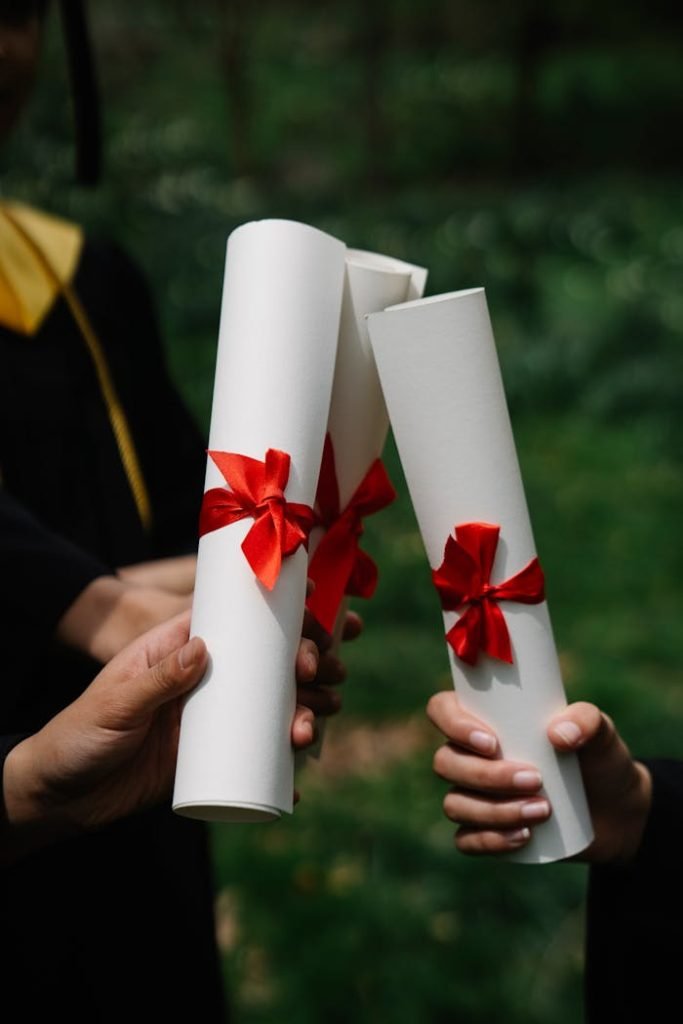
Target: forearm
<point>42,572</point>
<point>111,612</point>
<point>175,575</point>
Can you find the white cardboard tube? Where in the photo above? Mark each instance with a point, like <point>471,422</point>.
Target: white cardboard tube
<point>439,370</point>
<point>276,352</point>
<point>358,422</point>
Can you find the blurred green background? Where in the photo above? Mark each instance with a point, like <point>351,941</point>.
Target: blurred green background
<point>529,147</point>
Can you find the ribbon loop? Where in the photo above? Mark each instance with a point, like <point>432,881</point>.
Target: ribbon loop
<point>339,566</point>
<point>463,581</point>
<point>256,490</point>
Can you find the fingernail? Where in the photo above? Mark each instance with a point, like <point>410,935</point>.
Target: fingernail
<point>311,663</point>
<point>482,741</point>
<point>569,732</point>
<point>189,654</point>
<point>518,837</point>
<point>535,809</point>
<point>526,780</point>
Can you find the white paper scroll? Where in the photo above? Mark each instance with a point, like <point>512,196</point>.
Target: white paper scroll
<point>358,421</point>
<point>439,371</point>
<point>278,336</point>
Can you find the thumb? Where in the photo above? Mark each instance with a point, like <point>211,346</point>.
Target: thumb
<point>167,679</point>
<point>581,726</point>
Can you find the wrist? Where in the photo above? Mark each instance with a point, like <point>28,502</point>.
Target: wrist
<point>31,818</point>
<point>88,622</point>
<point>636,813</point>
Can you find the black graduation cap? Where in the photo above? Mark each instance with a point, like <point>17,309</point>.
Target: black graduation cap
<point>81,73</point>
<point>84,91</point>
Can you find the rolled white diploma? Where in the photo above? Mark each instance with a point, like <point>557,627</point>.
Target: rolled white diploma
<point>276,351</point>
<point>358,422</point>
<point>439,370</point>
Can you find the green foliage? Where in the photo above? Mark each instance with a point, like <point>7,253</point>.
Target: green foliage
<point>412,132</point>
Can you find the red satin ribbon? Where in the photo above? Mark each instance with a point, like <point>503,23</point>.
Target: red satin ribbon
<point>339,566</point>
<point>280,526</point>
<point>463,579</point>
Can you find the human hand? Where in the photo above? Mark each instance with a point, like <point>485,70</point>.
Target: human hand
<point>110,613</point>
<point>175,575</point>
<point>496,802</point>
<point>113,751</point>
<point>314,690</point>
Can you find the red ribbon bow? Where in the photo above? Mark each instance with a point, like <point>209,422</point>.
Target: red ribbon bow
<point>339,566</point>
<point>463,579</point>
<point>280,526</point>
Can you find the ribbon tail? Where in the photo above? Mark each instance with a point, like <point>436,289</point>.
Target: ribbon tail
<point>495,639</point>
<point>330,569</point>
<point>261,548</point>
<point>363,579</point>
<point>466,635</point>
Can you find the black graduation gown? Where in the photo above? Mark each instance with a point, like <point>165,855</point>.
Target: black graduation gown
<point>634,944</point>
<point>118,923</point>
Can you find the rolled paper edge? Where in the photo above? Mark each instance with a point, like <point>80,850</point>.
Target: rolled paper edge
<point>227,812</point>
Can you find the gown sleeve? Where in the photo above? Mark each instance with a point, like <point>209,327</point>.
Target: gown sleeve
<point>635,915</point>
<point>42,573</point>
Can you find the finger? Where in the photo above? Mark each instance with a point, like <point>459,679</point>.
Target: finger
<point>471,809</point>
<point>307,660</point>
<point>303,728</point>
<point>477,773</point>
<point>579,725</point>
<point>319,700</point>
<point>331,671</point>
<point>476,841</point>
<point>353,626</point>
<point>165,638</point>
<point>314,631</point>
<point>446,713</point>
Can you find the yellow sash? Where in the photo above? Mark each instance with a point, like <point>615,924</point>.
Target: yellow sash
<point>38,258</point>
<point>27,290</point>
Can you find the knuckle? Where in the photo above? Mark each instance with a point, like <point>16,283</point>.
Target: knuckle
<point>161,675</point>
<point>488,775</point>
<point>452,807</point>
<point>441,761</point>
<point>469,842</point>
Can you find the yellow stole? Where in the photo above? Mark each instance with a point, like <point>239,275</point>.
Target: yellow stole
<point>39,254</point>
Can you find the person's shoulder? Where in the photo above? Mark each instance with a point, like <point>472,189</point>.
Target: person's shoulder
<point>109,280</point>
<point>108,257</point>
